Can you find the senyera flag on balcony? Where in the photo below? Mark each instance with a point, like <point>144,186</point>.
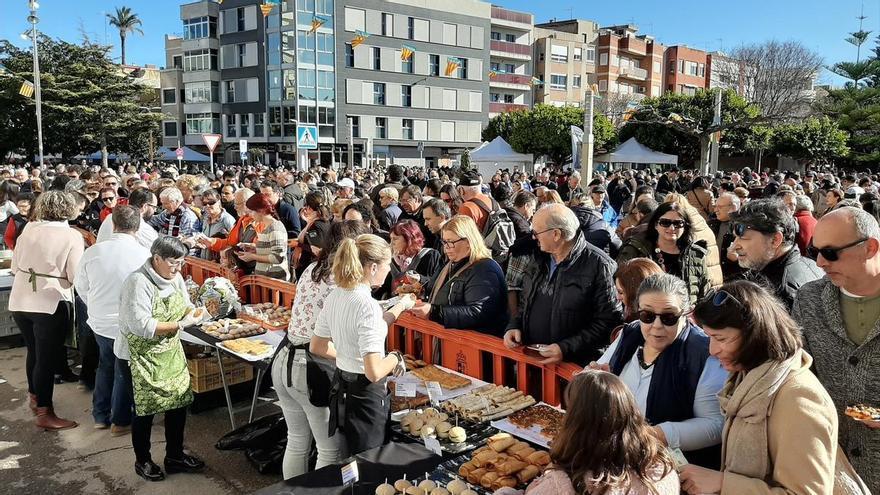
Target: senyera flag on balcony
<point>406,52</point>
<point>266,8</point>
<point>317,22</point>
<point>359,38</point>
<point>493,73</point>
<point>452,64</point>
<point>536,82</point>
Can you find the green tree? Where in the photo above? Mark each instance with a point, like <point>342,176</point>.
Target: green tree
<point>127,22</point>
<point>502,125</point>
<point>818,140</point>
<point>857,112</point>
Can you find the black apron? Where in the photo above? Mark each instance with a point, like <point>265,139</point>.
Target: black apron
<point>360,409</point>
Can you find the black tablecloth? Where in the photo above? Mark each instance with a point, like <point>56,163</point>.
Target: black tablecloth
<point>389,461</point>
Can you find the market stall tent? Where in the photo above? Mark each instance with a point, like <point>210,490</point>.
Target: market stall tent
<point>489,157</point>
<point>633,151</point>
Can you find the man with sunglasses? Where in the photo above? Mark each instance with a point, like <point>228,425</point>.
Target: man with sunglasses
<point>765,244</point>
<point>840,317</point>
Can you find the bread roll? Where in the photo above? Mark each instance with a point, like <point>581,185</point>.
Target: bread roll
<point>468,492</point>
<point>475,475</point>
<point>427,485</point>
<point>414,490</point>
<point>528,473</point>
<point>456,486</point>
<point>502,444</point>
<point>385,489</point>
<point>488,479</point>
<point>523,454</point>
<point>465,469</point>
<point>402,485</point>
<point>539,458</point>
<point>510,466</point>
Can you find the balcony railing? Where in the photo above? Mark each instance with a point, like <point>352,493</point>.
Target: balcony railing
<point>496,107</point>
<point>634,73</point>
<point>511,79</point>
<point>507,47</point>
<point>509,15</point>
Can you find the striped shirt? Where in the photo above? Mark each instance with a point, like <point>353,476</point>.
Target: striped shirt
<point>352,319</point>
<point>272,242</point>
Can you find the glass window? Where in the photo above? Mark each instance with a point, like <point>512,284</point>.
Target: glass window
<point>325,8</point>
<point>201,92</point>
<point>406,95</point>
<point>510,38</point>
<point>308,115</point>
<point>170,129</point>
<point>169,96</point>
<point>325,48</point>
<point>558,81</point>
<point>240,18</point>
<point>462,68</point>
<point>387,24</point>
<point>230,125</point>
<point>244,121</point>
<point>305,5</point>
<point>274,85</point>
<point>275,121</point>
<point>377,58</point>
<point>434,64</point>
<point>494,66</point>
<point>230,91</point>
<point>349,55</point>
<point>508,98</point>
<point>199,27</point>
<point>496,36</point>
<point>326,116</point>
<point>202,123</point>
<point>591,54</point>
<point>306,48</point>
<point>576,82</point>
<point>411,28</point>
<point>381,127</point>
<point>177,61</point>
<point>326,85</point>
<point>494,97</point>
<point>289,121</point>
<point>408,66</point>
<point>578,54</point>
<point>241,54</point>
<point>287,19</point>
<point>407,129</point>
<point>259,122</point>
<point>274,49</point>
<point>288,47</point>
<point>510,68</point>
<point>378,93</point>
<point>197,60</point>
<point>307,84</point>
<point>289,81</point>
<point>355,126</point>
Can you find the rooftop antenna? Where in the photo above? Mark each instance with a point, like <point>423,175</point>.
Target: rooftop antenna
<point>570,12</point>
<point>720,44</point>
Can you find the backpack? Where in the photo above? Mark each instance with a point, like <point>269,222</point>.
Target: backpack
<point>498,233</point>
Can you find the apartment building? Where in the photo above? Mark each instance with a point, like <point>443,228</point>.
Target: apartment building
<point>171,92</point>
<point>686,69</point>
<point>565,60</point>
<point>629,63</point>
<point>510,61</point>
<point>436,100</point>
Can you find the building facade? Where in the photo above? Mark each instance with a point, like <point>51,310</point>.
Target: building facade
<point>171,93</point>
<point>510,62</point>
<point>687,69</point>
<point>565,58</point>
<point>629,64</point>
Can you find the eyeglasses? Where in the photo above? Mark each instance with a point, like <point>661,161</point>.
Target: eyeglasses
<point>174,263</point>
<point>667,222</point>
<point>107,200</point>
<point>830,253</point>
<point>451,244</point>
<point>209,203</point>
<point>536,234</point>
<point>668,319</point>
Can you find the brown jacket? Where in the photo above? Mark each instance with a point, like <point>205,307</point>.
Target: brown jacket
<point>703,201</point>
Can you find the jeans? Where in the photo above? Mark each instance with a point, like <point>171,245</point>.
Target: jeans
<point>44,336</point>
<point>304,421</point>
<point>111,402</point>
<point>88,349</point>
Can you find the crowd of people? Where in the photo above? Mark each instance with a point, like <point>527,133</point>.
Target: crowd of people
<point>732,316</point>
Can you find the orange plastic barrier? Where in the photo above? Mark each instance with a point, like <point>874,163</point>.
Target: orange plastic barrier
<point>480,356</point>
<point>259,289</point>
<point>201,270</point>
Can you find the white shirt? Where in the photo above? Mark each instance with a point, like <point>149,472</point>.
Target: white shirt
<point>352,319</point>
<point>145,234</point>
<point>7,209</point>
<point>102,270</point>
<point>704,429</point>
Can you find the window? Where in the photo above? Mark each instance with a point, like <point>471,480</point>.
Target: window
<point>326,116</point>
<point>558,81</point>
<point>199,27</point>
<point>306,48</point>
<point>408,65</point>
<point>305,6</point>
<point>169,96</point>
<point>494,97</point>
<point>325,48</point>
<point>381,127</point>
<point>230,125</point>
<point>591,54</point>
<point>508,98</point>
<point>230,91</point>
<point>307,84</point>
<point>355,127</point>
<point>672,66</point>
<point>202,123</point>
<point>578,54</point>
<point>177,62</point>
<point>603,59</point>
<point>463,68</point>
<point>308,115</point>
<point>259,122</point>
<point>378,93</point>
<point>510,38</point>
<point>326,85</point>
<point>324,7</point>
<point>289,120</point>
<point>349,55</point>
<point>239,12</point>
<point>434,64</point>
<point>288,80</point>
<point>202,92</point>
<point>411,28</point>
<point>496,36</point>
<point>197,60</point>
<point>510,68</point>
<point>355,19</point>
<point>244,122</point>
<point>377,58</point>
<point>494,66</point>
<point>275,121</point>
<point>387,24</point>
<point>406,95</point>
<point>288,47</point>
<point>170,129</point>
<point>603,85</point>
<point>576,81</point>
<point>274,49</point>
<point>407,129</point>
<point>657,66</point>
<point>241,54</point>
<point>559,53</point>
<point>274,85</point>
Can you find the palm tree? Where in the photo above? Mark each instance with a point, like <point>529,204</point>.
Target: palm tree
<point>126,21</point>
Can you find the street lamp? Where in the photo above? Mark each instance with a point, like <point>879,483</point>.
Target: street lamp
<point>33,19</point>
<point>587,147</point>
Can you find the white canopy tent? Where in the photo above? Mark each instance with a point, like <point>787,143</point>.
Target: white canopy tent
<point>489,157</point>
<point>633,151</point>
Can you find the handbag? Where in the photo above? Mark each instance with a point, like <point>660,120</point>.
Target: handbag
<point>319,379</point>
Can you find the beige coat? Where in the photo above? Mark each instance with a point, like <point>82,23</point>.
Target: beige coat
<point>47,248</point>
<point>703,201</point>
<point>780,431</point>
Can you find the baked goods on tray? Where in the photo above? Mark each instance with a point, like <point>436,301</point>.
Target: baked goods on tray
<point>541,415</point>
<point>403,403</point>
<point>504,462</point>
<point>488,403</point>
<point>245,346</point>
<point>447,381</point>
<point>863,412</point>
<point>228,329</point>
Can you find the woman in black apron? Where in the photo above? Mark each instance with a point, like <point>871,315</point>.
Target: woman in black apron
<point>351,329</point>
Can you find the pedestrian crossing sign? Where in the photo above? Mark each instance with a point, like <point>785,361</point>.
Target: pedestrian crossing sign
<point>307,137</point>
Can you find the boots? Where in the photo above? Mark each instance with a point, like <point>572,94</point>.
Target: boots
<point>32,403</point>
<point>47,420</point>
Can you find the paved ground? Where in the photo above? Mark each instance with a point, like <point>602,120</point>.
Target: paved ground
<point>88,461</point>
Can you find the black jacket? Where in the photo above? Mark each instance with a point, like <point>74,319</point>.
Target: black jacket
<point>585,307</point>
<point>521,226</point>
<point>785,275</point>
<point>290,218</point>
<point>596,230</point>
<point>666,185</point>
<point>477,299</point>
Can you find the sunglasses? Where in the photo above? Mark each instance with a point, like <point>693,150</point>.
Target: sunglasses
<point>107,200</point>
<point>739,229</point>
<point>668,319</point>
<point>111,184</point>
<point>209,203</point>
<point>720,297</point>
<point>829,253</point>
<point>666,223</point>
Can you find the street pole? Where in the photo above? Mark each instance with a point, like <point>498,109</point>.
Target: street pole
<point>212,162</point>
<point>350,144</point>
<point>33,19</point>
<point>587,147</point>
<point>716,138</point>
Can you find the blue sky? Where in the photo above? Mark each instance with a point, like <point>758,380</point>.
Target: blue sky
<point>707,25</point>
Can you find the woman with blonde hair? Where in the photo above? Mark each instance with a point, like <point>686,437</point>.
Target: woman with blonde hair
<point>470,292</point>
<point>351,329</point>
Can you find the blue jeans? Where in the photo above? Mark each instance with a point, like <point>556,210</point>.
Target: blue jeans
<point>112,399</point>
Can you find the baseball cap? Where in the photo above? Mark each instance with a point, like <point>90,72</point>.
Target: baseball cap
<point>346,182</point>
<point>470,178</point>
<point>318,234</point>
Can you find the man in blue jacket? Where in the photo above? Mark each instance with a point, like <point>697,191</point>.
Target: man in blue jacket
<point>286,212</point>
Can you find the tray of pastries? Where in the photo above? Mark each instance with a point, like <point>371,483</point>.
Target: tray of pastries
<point>447,380</point>
<point>539,423</point>
<point>488,403</point>
<point>228,329</point>
<point>503,462</point>
<point>454,435</point>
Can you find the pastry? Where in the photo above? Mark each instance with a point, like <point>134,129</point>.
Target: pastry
<point>539,458</point>
<point>442,429</point>
<point>414,490</point>
<point>439,491</point>
<point>385,489</point>
<point>468,492</point>
<point>506,481</point>
<point>523,454</point>
<point>456,486</point>
<point>475,475</point>
<point>402,485</point>
<point>426,431</point>
<point>457,434</point>
<point>500,445</point>
<point>510,466</point>
<point>528,473</point>
<point>427,485</point>
<point>488,479</point>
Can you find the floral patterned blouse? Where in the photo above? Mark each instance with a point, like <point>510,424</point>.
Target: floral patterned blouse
<point>307,304</point>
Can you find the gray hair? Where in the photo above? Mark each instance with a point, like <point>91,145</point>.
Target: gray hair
<point>865,224</point>
<point>803,203</point>
<point>211,194</point>
<point>126,219</point>
<point>562,218</point>
<point>168,247</point>
<point>734,199</point>
<point>389,192</point>
<point>54,206</point>
<point>439,208</point>
<point>665,283</point>
<point>171,194</point>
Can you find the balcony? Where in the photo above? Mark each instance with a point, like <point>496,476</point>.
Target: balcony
<point>633,45</point>
<point>498,107</point>
<point>511,19</point>
<point>511,50</point>
<point>507,80</point>
<point>634,73</point>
